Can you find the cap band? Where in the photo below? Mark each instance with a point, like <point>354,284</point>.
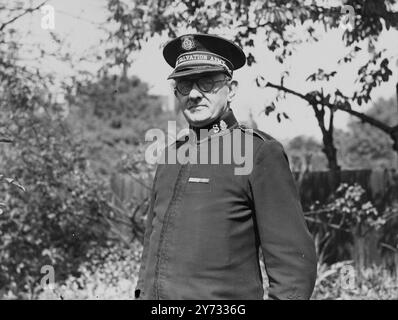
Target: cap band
<point>202,58</point>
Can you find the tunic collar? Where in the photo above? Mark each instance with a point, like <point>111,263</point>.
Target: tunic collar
<point>226,121</point>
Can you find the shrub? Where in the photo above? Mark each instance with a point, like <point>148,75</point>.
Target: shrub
<point>340,282</point>
<point>343,225</point>
<point>58,218</point>
<point>110,273</point>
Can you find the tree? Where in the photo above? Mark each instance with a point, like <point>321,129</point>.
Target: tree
<point>60,215</point>
<point>367,147</point>
<point>306,154</point>
<point>113,114</point>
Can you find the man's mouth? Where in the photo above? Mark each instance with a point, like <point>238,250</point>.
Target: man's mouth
<point>196,106</point>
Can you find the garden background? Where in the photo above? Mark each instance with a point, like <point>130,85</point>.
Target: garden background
<point>75,107</point>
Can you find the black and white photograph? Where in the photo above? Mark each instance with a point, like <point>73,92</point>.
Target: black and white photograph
<point>207,150</point>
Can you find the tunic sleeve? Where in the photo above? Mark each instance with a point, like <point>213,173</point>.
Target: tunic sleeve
<point>286,243</point>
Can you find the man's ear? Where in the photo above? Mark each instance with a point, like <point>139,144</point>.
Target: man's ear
<point>233,87</point>
<point>173,87</point>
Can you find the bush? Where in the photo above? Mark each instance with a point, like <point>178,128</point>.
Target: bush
<point>110,273</point>
<point>59,217</point>
<point>340,282</point>
<point>343,225</point>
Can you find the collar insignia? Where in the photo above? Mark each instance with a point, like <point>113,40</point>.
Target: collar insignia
<point>217,127</point>
<point>223,125</point>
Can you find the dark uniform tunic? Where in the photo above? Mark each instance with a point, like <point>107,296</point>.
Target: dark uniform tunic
<point>206,225</point>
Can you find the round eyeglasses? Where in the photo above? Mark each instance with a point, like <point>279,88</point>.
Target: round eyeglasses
<point>204,84</point>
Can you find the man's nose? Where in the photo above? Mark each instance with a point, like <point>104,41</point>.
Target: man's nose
<point>195,93</point>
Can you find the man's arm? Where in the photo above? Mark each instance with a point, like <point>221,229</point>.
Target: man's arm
<point>138,293</point>
<point>287,246</point>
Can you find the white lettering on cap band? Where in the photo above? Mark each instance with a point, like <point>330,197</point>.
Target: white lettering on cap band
<point>195,58</point>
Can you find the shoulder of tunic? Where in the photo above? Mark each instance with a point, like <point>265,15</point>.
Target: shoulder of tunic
<point>266,139</point>
<point>258,133</point>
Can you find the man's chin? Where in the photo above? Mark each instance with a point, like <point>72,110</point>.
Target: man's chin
<point>199,120</point>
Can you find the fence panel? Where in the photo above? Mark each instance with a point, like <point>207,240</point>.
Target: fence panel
<point>317,185</point>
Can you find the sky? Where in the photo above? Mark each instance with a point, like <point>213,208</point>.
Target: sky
<point>77,22</point>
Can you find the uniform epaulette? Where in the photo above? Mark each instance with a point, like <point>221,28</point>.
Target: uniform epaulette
<point>262,135</point>
<point>265,137</point>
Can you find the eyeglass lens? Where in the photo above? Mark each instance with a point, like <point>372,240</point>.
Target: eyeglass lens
<point>204,84</point>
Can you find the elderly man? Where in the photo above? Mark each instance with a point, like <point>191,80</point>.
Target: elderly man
<point>206,223</point>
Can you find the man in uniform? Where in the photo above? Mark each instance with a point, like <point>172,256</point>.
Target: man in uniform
<point>206,223</point>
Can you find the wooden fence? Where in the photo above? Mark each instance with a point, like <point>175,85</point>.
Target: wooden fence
<point>126,188</point>
<point>313,186</point>
<point>380,185</point>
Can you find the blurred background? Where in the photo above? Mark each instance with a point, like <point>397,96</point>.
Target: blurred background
<point>81,82</point>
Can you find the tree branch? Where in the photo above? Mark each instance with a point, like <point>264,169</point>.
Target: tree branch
<point>396,91</point>
<point>283,88</point>
<point>319,115</point>
<point>365,118</point>
<point>331,121</point>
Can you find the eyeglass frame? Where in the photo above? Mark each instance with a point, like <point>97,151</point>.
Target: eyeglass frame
<point>195,81</point>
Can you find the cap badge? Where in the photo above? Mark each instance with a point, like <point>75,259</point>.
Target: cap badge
<point>188,43</point>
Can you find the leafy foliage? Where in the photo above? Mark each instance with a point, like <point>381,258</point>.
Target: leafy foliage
<point>367,147</point>
<point>57,219</point>
<point>340,282</point>
<point>59,216</point>
<point>305,153</point>
<point>110,274</point>
<point>354,210</point>
<point>112,114</point>
<point>139,20</point>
